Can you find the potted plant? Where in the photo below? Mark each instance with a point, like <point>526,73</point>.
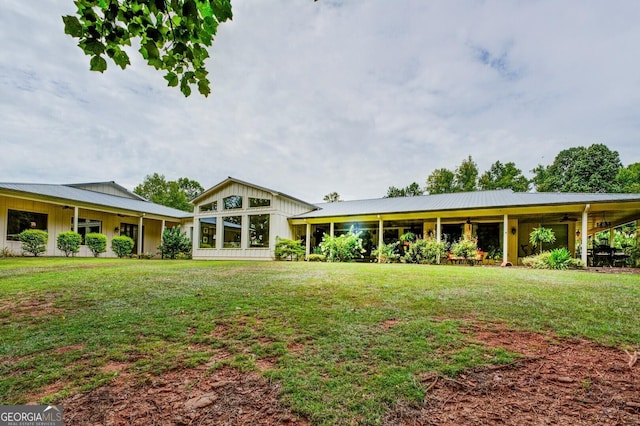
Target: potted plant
<point>407,238</point>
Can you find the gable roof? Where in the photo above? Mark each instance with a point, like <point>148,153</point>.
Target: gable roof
<point>229,180</point>
<point>72,194</point>
<point>460,201</point>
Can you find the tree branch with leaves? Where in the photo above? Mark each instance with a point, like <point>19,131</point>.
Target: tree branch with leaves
<point>173,35</point>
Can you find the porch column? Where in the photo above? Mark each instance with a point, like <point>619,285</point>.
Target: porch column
<point>195,244</point>
<point>380,235</point>
<point>162,228</point>
<point>75,219</point>
<point>505,240</point>
<point>583,248</point>
<point>308,241</point>
<point>332,228</point>
<point>611,236</point>
<point>438,236</point>
<point>140,232</point>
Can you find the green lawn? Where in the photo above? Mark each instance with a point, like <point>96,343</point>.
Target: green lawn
<point>346,340</point>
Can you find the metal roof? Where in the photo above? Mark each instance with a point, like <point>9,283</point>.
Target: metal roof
<point>77,195</point>
<point>460,201</point>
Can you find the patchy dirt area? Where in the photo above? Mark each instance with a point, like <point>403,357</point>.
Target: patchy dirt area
<point>187,397</point>
<point>556,382</point>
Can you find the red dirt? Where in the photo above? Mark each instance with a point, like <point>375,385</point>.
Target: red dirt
<point>556,382</point>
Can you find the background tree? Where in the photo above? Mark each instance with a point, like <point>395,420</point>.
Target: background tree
<point>504,176</point>
<point>628,178</point>
<point>441,181</point>
<point>332,197</point>
<point>176,194</point>
<point>173,35</point>
<point>412,190</point>
<point>466,176</point>
<point>580,169</point>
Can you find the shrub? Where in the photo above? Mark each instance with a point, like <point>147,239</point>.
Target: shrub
<point>386,253</point>
<point>174,242</point>
<point>289,249</point>
<point>6,252</point>
<point>122,245</point>
<point>466,248</point>
<point>96,242</point>
<point>69,242</point>
<point>425,251</point>
<point>559,258</point>
<point>316,258</point>
<point>344,248</point>
<point>34,241</point>
<point>555,259</point>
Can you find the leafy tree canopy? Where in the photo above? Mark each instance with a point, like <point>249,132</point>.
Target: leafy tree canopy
<point>441,181</point>
<point>504,176</point>
<point>412,190</point>
<point>580,169</point>
<point>176,194</point>
<point>332,197</point>
<point>629,178</point>
<point>466,176</point>
<point>173,35</point>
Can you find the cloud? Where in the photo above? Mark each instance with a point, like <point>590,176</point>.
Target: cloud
<point>314,97</point>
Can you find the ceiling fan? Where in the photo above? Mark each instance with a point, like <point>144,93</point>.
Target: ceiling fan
<point>566,218</point>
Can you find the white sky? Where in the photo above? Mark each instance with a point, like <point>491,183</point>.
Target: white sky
<point>308,98</point>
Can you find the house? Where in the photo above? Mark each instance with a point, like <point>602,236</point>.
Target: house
<point>103,207</point>
<point>240,220</point>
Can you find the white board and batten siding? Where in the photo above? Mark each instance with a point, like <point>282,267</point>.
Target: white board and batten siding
<point>280,209</point>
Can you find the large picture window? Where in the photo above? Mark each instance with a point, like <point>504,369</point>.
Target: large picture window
<point>232,202</point>
<point>259,230</point>
<point>19,221</point>
<point>232,231</point>
<point>87,226</point>
<point>208,233</point>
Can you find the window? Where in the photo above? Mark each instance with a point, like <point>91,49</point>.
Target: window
<point>232,202</point>
<point>232,226</point>
<point>208,233</point>
<point>19,221</point>
<point>87,226</point>
<point>209,207</point>
<point>259,202</point>
<point>259,230</point>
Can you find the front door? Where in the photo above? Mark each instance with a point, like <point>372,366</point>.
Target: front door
<point>131,231</point>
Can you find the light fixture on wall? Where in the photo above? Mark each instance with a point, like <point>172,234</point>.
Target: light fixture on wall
<point>468,221</point>
<point>116,230</point>
<point>514,230</point>
<point>577,234</point>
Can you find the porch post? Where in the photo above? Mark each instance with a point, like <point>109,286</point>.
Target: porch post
<point>583,248</point>
<point>140,232</point>
<point>332,229</point>
<point>611,236</point>
<point>380,236</point>
<point>308,241</point>
<point>195,244</point>
<point>438,237</point>
<point>164,225</point>
<point>505,240</point>
<point>75,219</point>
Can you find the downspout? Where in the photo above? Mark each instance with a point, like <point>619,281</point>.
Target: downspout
<point>583,245</point>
